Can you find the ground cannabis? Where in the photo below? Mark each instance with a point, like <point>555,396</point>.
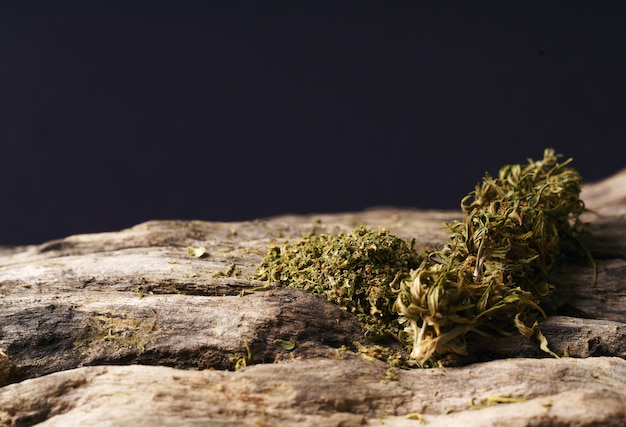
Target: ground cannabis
<point>494,272</point>
<point>360,271</point>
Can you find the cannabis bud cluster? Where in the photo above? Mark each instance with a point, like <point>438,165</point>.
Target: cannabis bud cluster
<point>494,271</point>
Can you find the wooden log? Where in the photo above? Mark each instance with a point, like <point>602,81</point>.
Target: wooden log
<point>327,392</point>
<point>172,302</point>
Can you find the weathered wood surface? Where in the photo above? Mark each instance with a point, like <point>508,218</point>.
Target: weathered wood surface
<point>137,297</point>
<point>326,392</point>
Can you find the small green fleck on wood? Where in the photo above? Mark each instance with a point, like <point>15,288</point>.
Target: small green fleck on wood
<point>287,345</point>
<point>415,416</point>
<point>231,271</point>
<point>197,252</point>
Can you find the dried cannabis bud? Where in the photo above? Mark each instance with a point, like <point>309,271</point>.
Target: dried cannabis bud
<point>494,272</point>
<point>360,271</point>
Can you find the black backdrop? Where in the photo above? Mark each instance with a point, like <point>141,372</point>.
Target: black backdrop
<point>117,112</point>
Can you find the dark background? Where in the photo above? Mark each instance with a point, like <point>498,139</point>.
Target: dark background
<point>117,112</point>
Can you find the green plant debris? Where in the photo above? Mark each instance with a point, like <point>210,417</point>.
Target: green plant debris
<point>263,288</point>
<point>495,400</point>
<point>495,271</point>
<point>502,399</point>
<point>360,271</point>
<point>287,345</point>
<point>390,375</point>
<point>231,271</point>
<point>491,278</point>
<point>387,354</point>
<point>240,361</point>
<point>415,416</point>
<point>197,252</point>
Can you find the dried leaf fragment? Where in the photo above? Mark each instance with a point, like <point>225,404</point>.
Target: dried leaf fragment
<point>197,252</point>
<point>287,345</point>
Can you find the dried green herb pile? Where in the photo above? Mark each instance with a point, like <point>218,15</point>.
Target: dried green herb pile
<point>360,271</point>
<point>490,278</point>
<point>494,272</point>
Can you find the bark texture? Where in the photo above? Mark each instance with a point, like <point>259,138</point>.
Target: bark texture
<point>146,326</point>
